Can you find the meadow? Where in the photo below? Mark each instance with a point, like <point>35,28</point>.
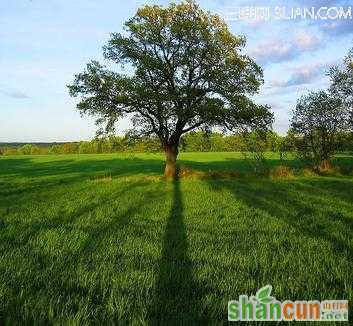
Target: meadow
<point>102,239</point>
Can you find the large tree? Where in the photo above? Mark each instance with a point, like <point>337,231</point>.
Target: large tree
<point>318,122</point>
<point>186,71</point>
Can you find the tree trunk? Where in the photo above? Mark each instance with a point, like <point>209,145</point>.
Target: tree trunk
<point>171,154</point>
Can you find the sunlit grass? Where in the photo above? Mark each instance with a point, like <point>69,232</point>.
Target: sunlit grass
<point>103,238</point>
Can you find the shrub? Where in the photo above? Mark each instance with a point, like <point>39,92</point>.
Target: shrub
<point>70,148</point>
<point>325,167</point>
<point>29,149</point>
<point>54,149</point>
<point>11,151</point>
<point>254,145</point>
<point>307,172</point>
<point>281,171</point>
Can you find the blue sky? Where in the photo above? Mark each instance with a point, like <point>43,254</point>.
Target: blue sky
<point>43,43</point>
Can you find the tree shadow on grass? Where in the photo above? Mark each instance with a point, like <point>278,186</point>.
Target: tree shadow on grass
<point>311,209</point>
<point>24,175</point>
<point>29,229</point>
<point>177,294</point>
<point>58,272</point>
<point>67,167</point>
<point>226,162</point>
<point>302,205</point>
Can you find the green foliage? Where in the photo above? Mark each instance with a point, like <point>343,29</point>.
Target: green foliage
<point>25,149</point>
<point>70,148</point>
<point>66,148</point>
<point>54,149</point>
<point>342,84</point>
<point>197,142</point>
<point>188,71</point>
<point>254,146</point>
<point>319,120</point>
<point>191,142</point>
<point>29,149</point>
<point>346,143</point>
<point>10,151</point>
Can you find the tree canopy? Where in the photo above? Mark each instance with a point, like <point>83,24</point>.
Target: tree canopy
<point>342,83</point>
<point>187,71</point>
<point>318,119</point>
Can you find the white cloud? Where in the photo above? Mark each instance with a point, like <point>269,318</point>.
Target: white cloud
<point>305,40</point>
<point>16,94</point>
<point>272,51</point>
<point>284,50</point>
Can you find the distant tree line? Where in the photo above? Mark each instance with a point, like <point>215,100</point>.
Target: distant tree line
<point>198,141</point>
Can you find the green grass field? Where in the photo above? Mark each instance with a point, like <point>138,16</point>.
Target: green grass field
<point>99,239</point>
